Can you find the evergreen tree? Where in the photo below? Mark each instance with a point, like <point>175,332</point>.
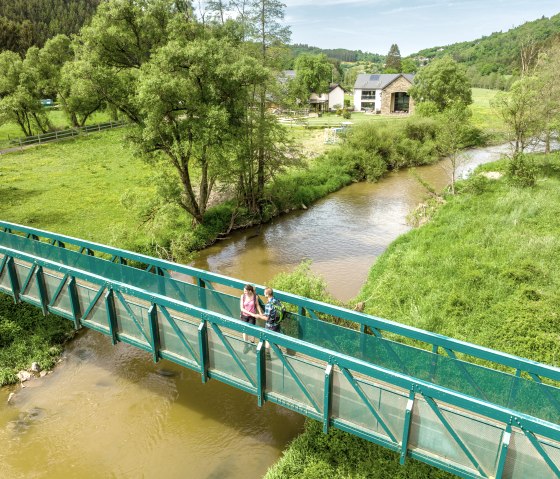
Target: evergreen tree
<point>26,23</point>
<point>393,61</point>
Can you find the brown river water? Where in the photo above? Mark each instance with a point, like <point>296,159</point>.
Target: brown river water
<point>110,412</point>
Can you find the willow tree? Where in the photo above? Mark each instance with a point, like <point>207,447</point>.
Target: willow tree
<point>191,98</point>
<point>521,112</point>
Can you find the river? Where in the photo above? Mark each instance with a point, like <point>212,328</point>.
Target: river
<point>109,411</point>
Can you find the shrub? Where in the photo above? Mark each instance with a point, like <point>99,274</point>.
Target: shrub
<point>420,128</point>
<point>521,171</point>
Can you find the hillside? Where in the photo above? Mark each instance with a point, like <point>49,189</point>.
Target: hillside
<point>500,52</point>
<point>24,23</point>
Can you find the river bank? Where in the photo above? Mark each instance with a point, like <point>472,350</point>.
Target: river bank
<point>492,280</point>
<point>103,379</point>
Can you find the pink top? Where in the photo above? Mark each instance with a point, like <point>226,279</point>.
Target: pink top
<point>249,304</point>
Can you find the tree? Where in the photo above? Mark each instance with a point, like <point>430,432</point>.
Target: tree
<point>547,69</point>
<point>19,93</point>
<point>192,94</point>
<point>264,27</point>
<point>520,110</point>
<point>313,75</point>
<point>452,137</point>
<point>409,66</point>
<point>393,60</point>
<point>79,98</point>
<point>444,83</point>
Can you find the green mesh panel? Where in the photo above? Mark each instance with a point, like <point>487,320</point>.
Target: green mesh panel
<point>98,314</point>
<point>523,461</point>
<point>170,341</point>
<point>428,433</point>
<point>483,439</point>
<point>220,358</point>
<point>63,301</point>
<point>133,327</point>
<point>5,283</point>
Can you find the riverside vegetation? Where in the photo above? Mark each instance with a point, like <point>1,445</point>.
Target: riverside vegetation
<point>492,280</point>
<point>93,178</point>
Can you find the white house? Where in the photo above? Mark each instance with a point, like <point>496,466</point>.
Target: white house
<point>322,102</point>
<point>383,93</point>
<point>328,101</point>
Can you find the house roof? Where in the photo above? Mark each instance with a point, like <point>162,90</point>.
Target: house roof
<point>379,81</point>
<point>286,75</point>
<point>334,86</point>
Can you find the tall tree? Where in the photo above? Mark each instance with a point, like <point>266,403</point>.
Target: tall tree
<point>20,91</point>
<point>444,83</point>
<point>520,110</point>
<point>393,61</point>
<point>264,27</point>
<point>452,138</point>
<point>192,95</point>
<point>313,75</point>
<point>547,69</point>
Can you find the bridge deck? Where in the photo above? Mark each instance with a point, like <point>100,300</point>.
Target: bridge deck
<point>497,419</point>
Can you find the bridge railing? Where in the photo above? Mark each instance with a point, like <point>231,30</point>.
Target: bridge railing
<point>455,432</point>
<point>453,349</point>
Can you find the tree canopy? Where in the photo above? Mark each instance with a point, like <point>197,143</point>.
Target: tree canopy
<point>26,23</point>
<point>443,83</point>
<point>313,75</point>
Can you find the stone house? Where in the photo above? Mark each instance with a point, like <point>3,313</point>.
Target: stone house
<point>383,93</point>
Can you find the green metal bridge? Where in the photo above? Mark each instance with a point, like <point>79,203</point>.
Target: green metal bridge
<point>472,411</point>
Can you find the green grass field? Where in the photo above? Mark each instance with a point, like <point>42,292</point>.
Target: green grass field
<point>74,187</point>
<point>483,115</point>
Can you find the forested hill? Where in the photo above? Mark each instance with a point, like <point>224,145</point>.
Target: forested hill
<point>24,23</point>
<point>340,54</point>
<point>501,51</point>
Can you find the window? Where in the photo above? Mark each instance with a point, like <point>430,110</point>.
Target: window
<point>402,100</point>
<point>368,94</point>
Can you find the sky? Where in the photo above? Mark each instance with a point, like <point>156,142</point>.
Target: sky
<point>373,25</point>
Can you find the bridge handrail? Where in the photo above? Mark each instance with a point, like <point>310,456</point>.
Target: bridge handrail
<point>454,398</point>
<point>435,339</point>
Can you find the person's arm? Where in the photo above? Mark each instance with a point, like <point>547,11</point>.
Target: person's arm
<point>241,308</point>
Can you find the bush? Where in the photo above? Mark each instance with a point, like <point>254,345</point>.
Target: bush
<point>522,171</point>
<point>420,128</point>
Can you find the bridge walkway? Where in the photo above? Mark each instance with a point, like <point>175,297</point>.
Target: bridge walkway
<point>466,409</point>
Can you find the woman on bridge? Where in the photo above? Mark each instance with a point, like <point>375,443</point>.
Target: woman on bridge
<point>249,307</point>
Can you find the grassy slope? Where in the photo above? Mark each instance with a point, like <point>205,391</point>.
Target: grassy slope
<point>493,279</point>
<point>26,337</point>
<point>74,187</point>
